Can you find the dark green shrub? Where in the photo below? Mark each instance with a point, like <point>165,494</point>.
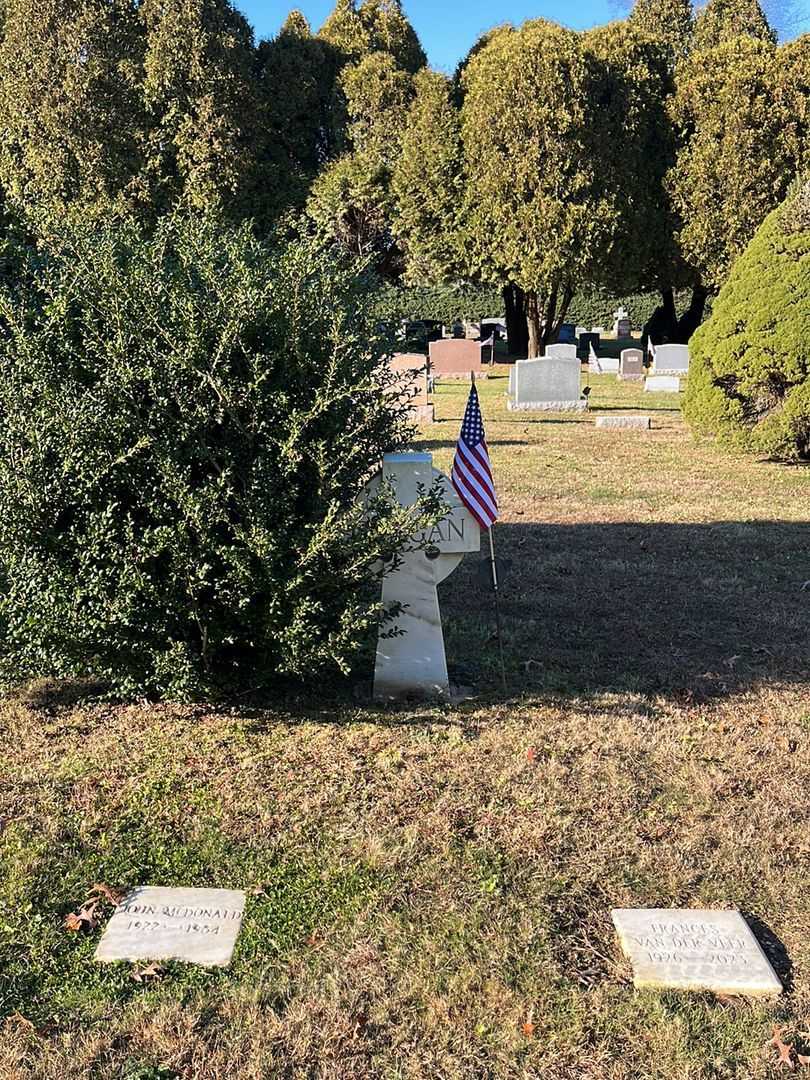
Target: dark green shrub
<point>186,422</point>
<point>442,303</point>
<point>749,381</point>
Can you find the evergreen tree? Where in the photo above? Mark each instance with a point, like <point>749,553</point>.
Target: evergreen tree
<point>207,147</point>
<point>72,127</point>
<point>427,183</point>
<point>734,163</point>
<point>351,200</point>
<point>725,20</point>
<point>296,74</point>
<point>374,26</point>
<point>560,145</point>
<point>671,21</point>
<point>390,31</point>
<point>750,377</point>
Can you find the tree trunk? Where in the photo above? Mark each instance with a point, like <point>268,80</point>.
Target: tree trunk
<point>516,328</point>
<point>550,316</point>
<point>668,329</point>
<point>693,316</point>
<point>533,323</point>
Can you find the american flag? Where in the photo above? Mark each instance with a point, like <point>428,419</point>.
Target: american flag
<point>471,473</point>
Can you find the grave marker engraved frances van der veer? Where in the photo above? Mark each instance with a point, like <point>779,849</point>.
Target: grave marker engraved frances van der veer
<point>199,926</point>
<point>684,949</point>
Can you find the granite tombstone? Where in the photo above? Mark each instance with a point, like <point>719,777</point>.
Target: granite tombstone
<point>631,367</point>
<point>548,384</point>
<point>456,358</point>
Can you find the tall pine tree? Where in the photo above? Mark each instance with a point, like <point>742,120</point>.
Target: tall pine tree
<point>72,125</point>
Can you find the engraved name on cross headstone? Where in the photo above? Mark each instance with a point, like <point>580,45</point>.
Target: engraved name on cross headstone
<point>413,662</point>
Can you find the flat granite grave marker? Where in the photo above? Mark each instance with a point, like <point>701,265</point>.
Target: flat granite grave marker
<point>641,422</point>
<point>199,926</point>
<point>682,949</point>
<point>412,662</point>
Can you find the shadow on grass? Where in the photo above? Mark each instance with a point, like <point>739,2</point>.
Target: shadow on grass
<point>695,611</point>
<point>774,948</point>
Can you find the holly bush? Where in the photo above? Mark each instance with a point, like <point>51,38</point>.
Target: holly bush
<point>187,420</point>
<point>749,379</point>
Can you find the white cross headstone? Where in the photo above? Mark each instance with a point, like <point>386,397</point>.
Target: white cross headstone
<point>411,661</point>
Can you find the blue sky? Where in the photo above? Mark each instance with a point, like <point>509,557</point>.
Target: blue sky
<point>447,28</point>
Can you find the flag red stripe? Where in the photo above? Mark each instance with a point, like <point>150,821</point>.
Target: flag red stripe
<point>471,462</point>
<point>475,491</point>
<point>481,483</point>
<point>484,519</point>
<point>483,459</point>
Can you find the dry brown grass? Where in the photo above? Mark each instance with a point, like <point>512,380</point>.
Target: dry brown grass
<point>429,886</point>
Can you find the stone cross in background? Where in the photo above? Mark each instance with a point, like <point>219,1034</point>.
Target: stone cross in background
<point>411,662</point>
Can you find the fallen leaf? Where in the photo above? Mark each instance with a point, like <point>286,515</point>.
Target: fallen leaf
<point>83,919</point>
<point>528,1029</point>
<point>783,1049</point>
<point>144,974</point>
<point>531,754</point>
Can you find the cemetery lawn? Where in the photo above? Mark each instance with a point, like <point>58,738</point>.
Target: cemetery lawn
<point>429,888</point>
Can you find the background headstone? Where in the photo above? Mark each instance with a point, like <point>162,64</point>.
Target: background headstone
<point>671,360</point>
<point>199,926</point>
<point>662,384</point>
<point>631,368</point>
<point>568,334</point>
<point>683,949</point>
<point>412,384</point>
<point>585,342</point>
<point>549,384</point>
<point>562,349</point>
<point>456,359</point>
<point>606,365</point>
<point>624,328</point>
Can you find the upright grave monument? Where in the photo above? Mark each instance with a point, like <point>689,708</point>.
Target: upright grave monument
<point>549,384</point>
<point>567,334</point>
<point>585,342</point>
<point>604,365</point>
<point>631,366</point>
<point>562,349</point>
<point>456,358</point>
<point>671,360</point>
<point>410,651</point>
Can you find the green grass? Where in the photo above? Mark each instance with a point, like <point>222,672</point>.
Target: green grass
<point>429,888</point>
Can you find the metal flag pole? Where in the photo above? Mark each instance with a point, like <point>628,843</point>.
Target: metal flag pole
<point>497,591</point>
